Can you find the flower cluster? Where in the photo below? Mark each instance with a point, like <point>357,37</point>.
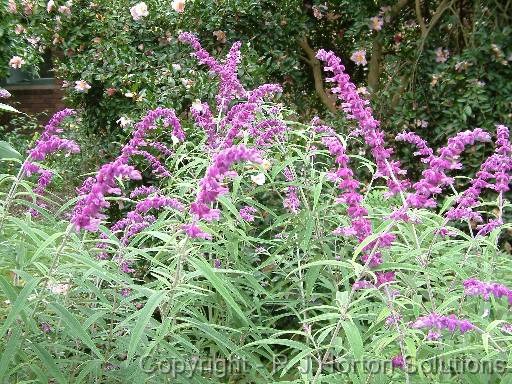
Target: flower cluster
<point>497,167</point>
<point>211,185</point>
<point>48,143</point>
<point>87,213</point>
<point>436,321</point>
<point>434,177</point>
<point>240,116</point>
<point>358,109</point>
<point>137,220</point>
<point>247,213</point>
<point>291,201</point>
<point>474,287</point>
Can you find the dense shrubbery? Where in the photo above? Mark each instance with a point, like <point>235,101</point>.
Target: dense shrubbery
<point>246,238</point>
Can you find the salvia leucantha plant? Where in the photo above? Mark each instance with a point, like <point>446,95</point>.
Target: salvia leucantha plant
<point>256,253</point>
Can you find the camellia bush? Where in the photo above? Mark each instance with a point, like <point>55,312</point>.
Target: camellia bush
<point>247,249</point>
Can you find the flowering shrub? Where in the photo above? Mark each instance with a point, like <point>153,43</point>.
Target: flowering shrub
<point>251,241</point>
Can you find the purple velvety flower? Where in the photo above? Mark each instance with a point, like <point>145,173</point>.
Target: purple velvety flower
<point>240,116</point>
<point>217,264</point>
<point>87,212</point>
<point>143,191</point>
<point>194,232</point>
<point>433,335</point>
<point>247,213</point>
<point>358,109</point>
<point>210,187</point>
<point>291,201</point>
<point>436,321</point>
<point>158,202</point>
<point>498,166</point>
<point>434,178</point>
<point>398,362</point>
<point>230,86</point>
<point>49,143</point>
<point>45,327</point>
<point>474,287</point>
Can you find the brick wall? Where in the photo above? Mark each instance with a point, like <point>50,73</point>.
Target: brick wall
<point>34,99</point>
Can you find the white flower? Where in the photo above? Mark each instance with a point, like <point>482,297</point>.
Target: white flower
<point>175,140</point>
<point>266,164</point>
<point>59,289</point>
<point>362,91</point>
<point>82,86</point>
<point>139,11</point>
<point>129,94</point>
<point>186,83</point>
<point>197,105</point>
<point>16,62</point>
<point>178,5</point>
<point>176,67</point>
<point>50,6</point>
<point>258,179</point>
<point>123,121</point>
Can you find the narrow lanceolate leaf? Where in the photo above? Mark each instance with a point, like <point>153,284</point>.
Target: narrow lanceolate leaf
<point>18,306</point>
<point>8,108</point>
<point>48,361</point>
<point>8,152</point>
<point>9,351</point>
<point>208,272</point>
<point>76,328</point>
<point>354,339</point>
<point>143,319</point>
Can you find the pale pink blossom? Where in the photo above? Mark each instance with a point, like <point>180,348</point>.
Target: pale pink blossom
<point>65,10</point>
<point>11,6</point>
<point>82,86</point>
<point>139,10</point>
<point>19,29</point>
<point>376,23</point>
<point>442,55</point>
<point>359,57</point>
<point>50,6</point>
<point>178,5</point>
<point>16,62</point>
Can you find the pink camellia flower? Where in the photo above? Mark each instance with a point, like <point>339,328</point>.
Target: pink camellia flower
<point>376,23</point>
<point>19,29</point>
<point>178,5</point>
<point>65,10</point>
<point>50,6</point>
<point>82,86</point>
<point>359,57</point>
<point>442,55</point>
<point>139,10</point>
<point>11,6</point>
<point>16,62</point>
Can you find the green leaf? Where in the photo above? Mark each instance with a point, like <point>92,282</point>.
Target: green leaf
<point>8,152</point>
<point>354,339</point>
<point>207,271</point>
<point>143,319</point>
<point>10,350</point>
<point>49,363</point>
<point>8,108</point>
<point>76,328</point>
<point>19,305</point>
